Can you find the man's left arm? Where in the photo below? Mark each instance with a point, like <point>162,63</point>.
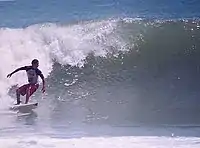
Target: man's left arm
<point>43,81</point>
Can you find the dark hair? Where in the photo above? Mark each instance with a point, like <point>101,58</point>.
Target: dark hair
<point>34,61</point>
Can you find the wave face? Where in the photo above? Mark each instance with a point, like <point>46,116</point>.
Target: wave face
<point>118,71</point>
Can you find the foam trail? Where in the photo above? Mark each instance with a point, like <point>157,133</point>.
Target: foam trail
<point>47,42</point>
<point>117,142</point>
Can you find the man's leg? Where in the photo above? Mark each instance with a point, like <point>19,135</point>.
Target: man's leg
<point>28,94</point>
<point>30,90</point>
<point>20,91</point>
<point>18,96</point>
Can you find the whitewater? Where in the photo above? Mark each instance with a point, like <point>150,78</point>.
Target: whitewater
<point>49,42</point>
<point>118,73</point>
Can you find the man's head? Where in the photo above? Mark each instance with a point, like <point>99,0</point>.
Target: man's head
<point>35,63</point>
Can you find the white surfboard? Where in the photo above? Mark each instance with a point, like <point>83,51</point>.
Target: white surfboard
<point>24,107</point>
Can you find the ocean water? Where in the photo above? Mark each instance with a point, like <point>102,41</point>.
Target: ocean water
<point>119,73</point>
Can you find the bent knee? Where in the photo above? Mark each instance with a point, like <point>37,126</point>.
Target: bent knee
<point>20,92</point>
<point>17,91</point>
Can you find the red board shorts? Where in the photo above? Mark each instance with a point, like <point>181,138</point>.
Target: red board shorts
<point>32,88</point>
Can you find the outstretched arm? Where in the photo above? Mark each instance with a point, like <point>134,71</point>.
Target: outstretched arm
<point>18,69</point>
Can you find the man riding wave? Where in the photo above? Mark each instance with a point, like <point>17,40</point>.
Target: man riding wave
<point>32,73</point>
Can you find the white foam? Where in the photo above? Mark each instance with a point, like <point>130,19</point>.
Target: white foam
<point>101,142</point>
<point>65,44</point>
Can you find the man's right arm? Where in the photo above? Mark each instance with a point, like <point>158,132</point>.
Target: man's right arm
<point>18,69</point>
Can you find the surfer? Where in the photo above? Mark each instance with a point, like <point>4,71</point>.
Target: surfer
<point>32,73</point>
